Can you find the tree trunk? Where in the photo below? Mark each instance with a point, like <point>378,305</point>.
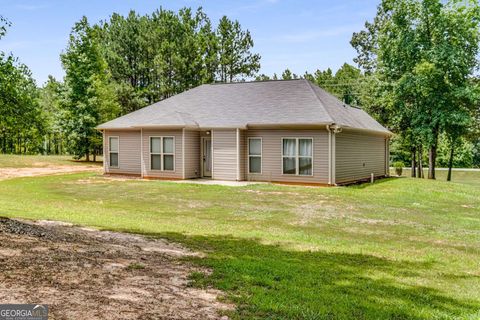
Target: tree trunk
<point>414,163</point>
<point>450,163</point>
<point>94,155</point>
<point>420,162</point>
<point>432,156</point>
<point>59,145</point>
<point>12,145</point>
<point>87,149</point>
<point>49,148</point>
<point>4,147</point>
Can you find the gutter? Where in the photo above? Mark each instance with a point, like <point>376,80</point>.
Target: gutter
<point>383,133</point>
<point>329,155</point>
<point>281,125</point>
<point>332,130</point>
<point>250,126</point>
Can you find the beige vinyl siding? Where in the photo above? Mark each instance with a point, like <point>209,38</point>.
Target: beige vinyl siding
<point>177,173</point>
<point>128,152</point>
<point>358,155</point>
<point>224,154</point>
<point>243,154</point>
<point>192,154</point>
<point>272,155</point>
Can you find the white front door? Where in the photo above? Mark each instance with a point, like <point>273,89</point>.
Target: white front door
<point>206,157</point>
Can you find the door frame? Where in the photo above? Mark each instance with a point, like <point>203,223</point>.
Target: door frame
<point>202,152</point>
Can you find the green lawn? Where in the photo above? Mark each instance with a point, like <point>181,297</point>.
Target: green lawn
<point>398,249</point>
<point>467,177</point>
<point>19,161</point>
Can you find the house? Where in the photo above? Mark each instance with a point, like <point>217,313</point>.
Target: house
<point>281,131</point>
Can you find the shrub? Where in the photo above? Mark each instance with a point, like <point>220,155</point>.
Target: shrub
<point>398,167</point>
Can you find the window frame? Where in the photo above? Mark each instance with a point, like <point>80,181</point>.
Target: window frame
<point>168,154</point>
<point>110,152</point>
<point>161,153</point>
<point>255,156</point>
<point>297,156</point>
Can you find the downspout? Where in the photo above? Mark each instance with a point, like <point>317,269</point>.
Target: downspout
<point>329,155</point>
<point>387,157</point>
<point>142,164</point>
<point>105,167</point>
<point>238,154</point>
<point>332,130</point>
<point>183,153</point>
<point>212,170</point>
<point>335,130</point>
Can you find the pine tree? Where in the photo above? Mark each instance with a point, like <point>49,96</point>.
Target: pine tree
<point>90,98</point>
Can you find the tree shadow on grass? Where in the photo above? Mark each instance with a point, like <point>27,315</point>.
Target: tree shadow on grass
<point>269,282</point>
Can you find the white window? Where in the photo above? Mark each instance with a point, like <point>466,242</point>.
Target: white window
<point>155,153</point>
<point>113,151</point>
<point>255,155</point>
<point>297,156</point>
<point>162,153</point>
<point>168,154</point>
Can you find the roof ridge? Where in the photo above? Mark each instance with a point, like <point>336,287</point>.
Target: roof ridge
<point>296,101</point>
<point>310,85</point>
<point>254,81</point>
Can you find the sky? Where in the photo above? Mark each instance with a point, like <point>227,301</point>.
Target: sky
<point>296,34</point>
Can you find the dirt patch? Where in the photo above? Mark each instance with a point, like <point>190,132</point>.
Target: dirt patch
<point>83,273</point>
<point>261,192</point>
<point>8,173</point>
<point>105,179</point>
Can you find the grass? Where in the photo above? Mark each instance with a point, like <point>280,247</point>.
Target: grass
<point>136,266</point>
<point>459,176</point>
<point>398,249</point>
<point>39,161</point>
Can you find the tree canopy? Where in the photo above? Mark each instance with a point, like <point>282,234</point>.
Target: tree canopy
<point>152,57</point>
<point>114,67</point>
<point>425,53</point>
<point>21,125</point>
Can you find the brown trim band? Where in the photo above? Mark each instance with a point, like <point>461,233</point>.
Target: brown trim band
<point>122,174</point>
<point>162,178</point>
<point>298,183</point>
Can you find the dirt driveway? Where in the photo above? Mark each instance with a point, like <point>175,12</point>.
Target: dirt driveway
<point>8,173</point>
<point>83,273</point>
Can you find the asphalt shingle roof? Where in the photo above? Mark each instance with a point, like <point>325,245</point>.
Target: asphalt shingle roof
<point>286,102</point>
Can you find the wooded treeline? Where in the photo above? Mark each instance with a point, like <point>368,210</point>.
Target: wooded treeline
<point>418,60</point>
<point>424,53</point>
<point>354,87</point>
<point>417,74</point>
<point>115,67</point>
<point>21,125</point>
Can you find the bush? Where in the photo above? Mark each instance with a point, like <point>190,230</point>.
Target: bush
<point>398,167</point>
